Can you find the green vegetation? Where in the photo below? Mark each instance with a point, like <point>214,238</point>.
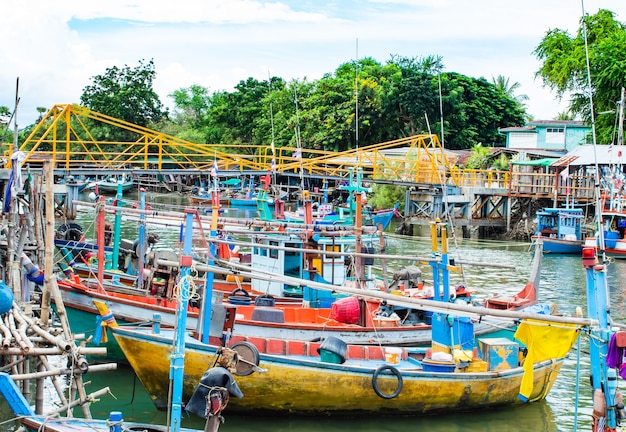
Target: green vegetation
<point>564,68</point>
<point>366,102</point>
<point>386,196</point>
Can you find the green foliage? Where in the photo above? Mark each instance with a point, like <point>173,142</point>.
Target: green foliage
<point>564,67</point>
<point>126,94</point>
<point>386,196</point>
<point>501,163</point>
<point>480,158</point>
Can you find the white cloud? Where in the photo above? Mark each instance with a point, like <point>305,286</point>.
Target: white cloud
<point>57,47</point>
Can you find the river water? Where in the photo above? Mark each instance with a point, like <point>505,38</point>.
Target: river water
<point>562,283</point>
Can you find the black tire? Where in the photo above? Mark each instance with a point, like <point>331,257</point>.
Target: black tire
<point>240,292</point>
<point>393,371</point>
<point>248,352</point>
<point>70,231</point>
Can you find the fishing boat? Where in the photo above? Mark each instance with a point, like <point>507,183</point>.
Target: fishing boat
<point>613,218</point>
<point>332,377</point>
<point>560,230</point>
<point>300,265</point>
<point>200,195</point>
<point>324,213</point>
<point>112,183</point>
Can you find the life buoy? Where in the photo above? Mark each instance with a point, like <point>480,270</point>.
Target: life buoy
<point>393,371</point>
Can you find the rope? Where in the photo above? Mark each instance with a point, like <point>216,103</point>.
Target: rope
<point>186,289</point>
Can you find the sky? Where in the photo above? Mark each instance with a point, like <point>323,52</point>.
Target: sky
<point>55,48</point>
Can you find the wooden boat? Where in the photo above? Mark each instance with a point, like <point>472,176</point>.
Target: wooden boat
<point>335,378</point>
<point>613,217</point>
<point>112,183</point>
<point>560,230</point>
<point>271,317</point>
<point>205,197</point>
<point>300,382</point>
<point>325,213</point>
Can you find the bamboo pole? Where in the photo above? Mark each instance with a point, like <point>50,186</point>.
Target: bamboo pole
<point>89,399</point>
<point>36,351</point>
<point>40,381</point>
<point>64,371</point>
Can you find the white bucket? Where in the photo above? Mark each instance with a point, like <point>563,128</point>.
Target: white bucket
<point>392,355</point>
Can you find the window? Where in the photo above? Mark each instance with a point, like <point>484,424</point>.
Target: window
<point>555,135</point>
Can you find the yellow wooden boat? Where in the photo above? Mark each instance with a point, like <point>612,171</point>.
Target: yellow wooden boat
<point>306,379</point>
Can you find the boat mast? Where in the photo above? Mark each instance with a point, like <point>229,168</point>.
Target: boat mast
<point>273,166</point>
<point>177,364</point>
<point>603,378</point>
<point>600,229</point>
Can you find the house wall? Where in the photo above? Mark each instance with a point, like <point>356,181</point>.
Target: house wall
<point>522,140</point>
<point>548,137</point>
<point>556,137</point>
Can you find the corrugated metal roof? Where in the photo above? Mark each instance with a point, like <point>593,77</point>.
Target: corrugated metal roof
<point>584,155</point>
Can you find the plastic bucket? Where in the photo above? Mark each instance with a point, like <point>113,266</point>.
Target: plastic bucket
<point>392,355</point>
<point>346,310</point>
<point>333,345</point>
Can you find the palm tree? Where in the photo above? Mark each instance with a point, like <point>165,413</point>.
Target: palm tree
<point>502,84</point>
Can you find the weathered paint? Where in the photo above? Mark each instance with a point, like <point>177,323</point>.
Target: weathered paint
<point>305,385</point>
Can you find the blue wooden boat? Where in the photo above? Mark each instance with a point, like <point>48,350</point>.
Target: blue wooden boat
<point>560,230</point>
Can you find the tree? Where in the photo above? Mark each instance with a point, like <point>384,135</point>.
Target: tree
<point>564,67</point>
<point>126,94</point>
<point>510,89</point>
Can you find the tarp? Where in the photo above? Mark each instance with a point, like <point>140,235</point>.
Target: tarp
<point>537,162</point>
<point>231,182</point>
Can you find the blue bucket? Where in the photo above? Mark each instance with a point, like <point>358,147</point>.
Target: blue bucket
<point>610,239</point>
<point>6,298</point>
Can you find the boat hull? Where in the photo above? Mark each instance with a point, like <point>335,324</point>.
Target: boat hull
<point>307,324</point>
<point>560,246</point>
<point>301,385</point>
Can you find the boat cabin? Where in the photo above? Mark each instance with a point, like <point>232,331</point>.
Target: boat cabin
<point>561,223</point>
<point>293,255</point>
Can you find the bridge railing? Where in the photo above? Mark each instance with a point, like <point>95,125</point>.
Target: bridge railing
<point>541,184</point>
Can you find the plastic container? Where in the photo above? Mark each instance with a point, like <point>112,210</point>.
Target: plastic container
<point>393,355</point>
<point>429,365</point>
<point>265,300</point>
<point>346,310</point>
<point>333,350</point>
<point>610,239</point>
<point>330,357</point>
<point>6,298</point>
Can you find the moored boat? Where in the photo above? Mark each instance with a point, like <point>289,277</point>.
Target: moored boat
<point>560,230</point>
<point>112,183</point>
<point>334,378</point>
